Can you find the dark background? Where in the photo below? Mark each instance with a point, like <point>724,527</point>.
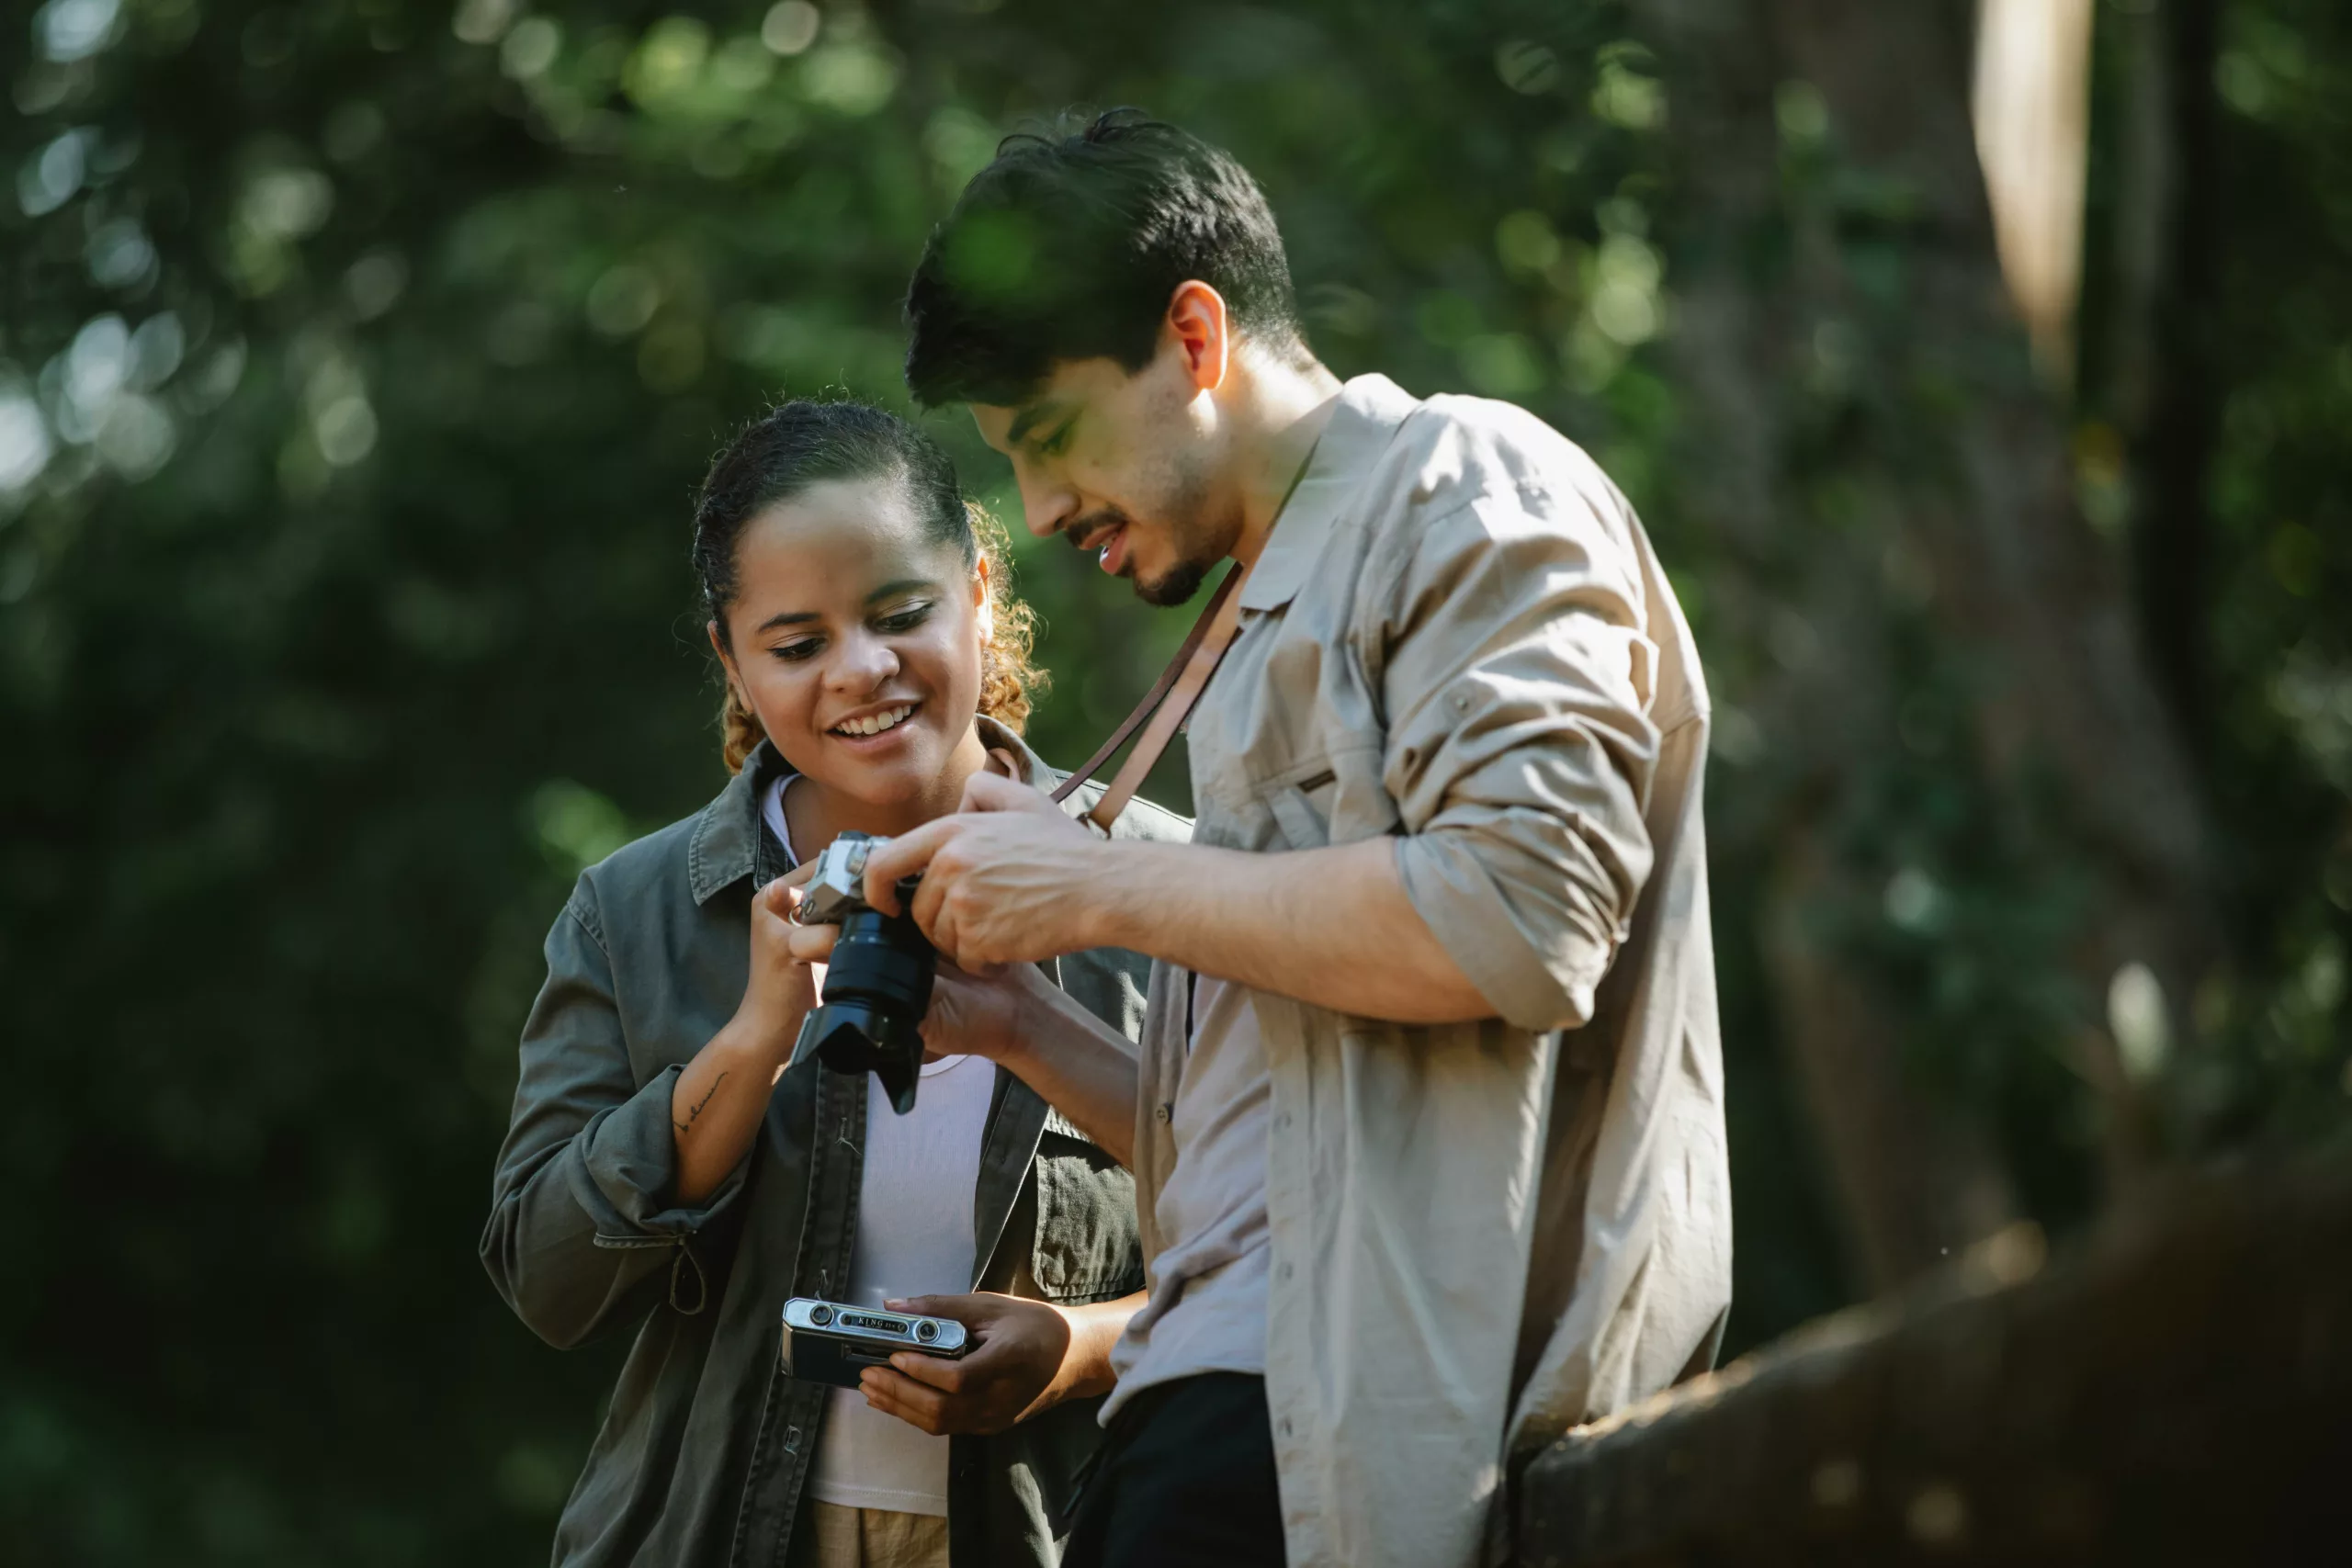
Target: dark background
<point>358,359</point>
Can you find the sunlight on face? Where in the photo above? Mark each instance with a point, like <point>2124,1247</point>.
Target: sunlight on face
<point>856,637</point>
<point>1123,465</point>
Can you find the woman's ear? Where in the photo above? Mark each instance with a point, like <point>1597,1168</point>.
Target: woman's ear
<point>726,659</point>
<point>983,601</point>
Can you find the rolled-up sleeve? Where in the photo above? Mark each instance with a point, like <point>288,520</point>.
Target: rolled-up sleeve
<point>585,1233</point>
<point>1516,675</point>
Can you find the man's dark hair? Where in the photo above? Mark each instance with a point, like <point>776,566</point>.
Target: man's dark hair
<point>1069,247</point>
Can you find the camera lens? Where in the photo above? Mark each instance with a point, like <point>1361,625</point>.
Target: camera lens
<point>820,1316</point>
<point>877,987</point>
<point>926,1331</point>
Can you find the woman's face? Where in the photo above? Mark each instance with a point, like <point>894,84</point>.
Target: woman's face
<point>856,639</point>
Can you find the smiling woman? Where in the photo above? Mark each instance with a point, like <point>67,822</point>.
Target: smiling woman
<point>844,500</point>
<point>664,1171</point>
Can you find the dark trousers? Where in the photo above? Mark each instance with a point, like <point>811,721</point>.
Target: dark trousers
<point>1185,1479</point>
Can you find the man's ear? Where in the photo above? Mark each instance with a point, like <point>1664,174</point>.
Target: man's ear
<point>1196,323</point>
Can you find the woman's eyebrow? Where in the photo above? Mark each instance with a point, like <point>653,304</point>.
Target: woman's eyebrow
<point>802,617</point>
<point>787,618</point>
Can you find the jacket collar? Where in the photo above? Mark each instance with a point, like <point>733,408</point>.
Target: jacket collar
<point>725,845</point>
<point>1371,409</point>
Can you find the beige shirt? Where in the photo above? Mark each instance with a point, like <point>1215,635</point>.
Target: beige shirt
<point>1482,1234</point>
<point>1207,1307</point>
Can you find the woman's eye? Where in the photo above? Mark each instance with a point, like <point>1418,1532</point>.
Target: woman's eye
<point>904,620</point>
<point>796,651</point>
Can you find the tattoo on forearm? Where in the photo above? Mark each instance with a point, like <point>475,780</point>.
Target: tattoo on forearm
<point>696,1110</point>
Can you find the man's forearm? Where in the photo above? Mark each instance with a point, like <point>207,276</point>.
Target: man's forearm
<point>1086,1369</point>
<point>1331,927</point>
<point>1078,1066</point>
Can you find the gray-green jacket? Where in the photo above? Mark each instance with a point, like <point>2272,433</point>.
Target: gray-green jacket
<point>706,1451</point>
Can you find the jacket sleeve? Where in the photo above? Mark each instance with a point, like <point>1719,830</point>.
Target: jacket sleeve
<point>585,1235</point>
<point>1516,677</point>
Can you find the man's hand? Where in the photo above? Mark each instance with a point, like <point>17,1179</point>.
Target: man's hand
<point>1015,1372</point>
<point>1008,879</point>
<point>983,1015</point>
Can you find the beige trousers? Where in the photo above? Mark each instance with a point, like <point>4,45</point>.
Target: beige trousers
<point>834,1537</point>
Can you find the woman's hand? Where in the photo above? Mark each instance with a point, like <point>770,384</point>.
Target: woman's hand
<point>1029,1358</point>
<point>722,1096</point>
<point>784,985</point>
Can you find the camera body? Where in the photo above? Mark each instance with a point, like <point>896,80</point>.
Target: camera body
<point>877,983</point>
<point>827,1342</point>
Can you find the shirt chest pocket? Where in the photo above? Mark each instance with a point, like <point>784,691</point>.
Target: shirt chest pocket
<point>1335,798</point>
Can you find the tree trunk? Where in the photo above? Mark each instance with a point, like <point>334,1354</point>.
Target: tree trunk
<point>1865,433</point>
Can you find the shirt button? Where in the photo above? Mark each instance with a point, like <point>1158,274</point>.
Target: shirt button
<point>1285,1272</point>
<point>1164,1112</point>
<point>1282,1123</point>
<point>1285,1425</point>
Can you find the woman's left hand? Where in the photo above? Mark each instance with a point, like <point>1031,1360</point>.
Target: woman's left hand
<point>1029,1357</point>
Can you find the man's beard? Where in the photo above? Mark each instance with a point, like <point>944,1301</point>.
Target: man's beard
<point>1175,585</point>
<point>1172,587</point>
<point>1182,499</point>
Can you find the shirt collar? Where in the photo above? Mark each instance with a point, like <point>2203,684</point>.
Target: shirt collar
<point>1371,409</point>
<point>724,848</point>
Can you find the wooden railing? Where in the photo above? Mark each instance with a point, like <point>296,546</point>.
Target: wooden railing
<point>2176,1391</point>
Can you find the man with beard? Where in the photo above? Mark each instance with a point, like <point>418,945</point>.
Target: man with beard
<point>1428,1121</point>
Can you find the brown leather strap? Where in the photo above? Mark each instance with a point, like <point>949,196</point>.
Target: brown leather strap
<point>1170,702</point>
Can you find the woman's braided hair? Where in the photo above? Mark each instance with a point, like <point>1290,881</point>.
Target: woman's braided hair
<point>804,443</point>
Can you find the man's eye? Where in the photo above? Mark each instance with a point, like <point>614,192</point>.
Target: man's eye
<point>1052,444</point>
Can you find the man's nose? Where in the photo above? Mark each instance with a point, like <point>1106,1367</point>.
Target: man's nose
<point>1047,503</point>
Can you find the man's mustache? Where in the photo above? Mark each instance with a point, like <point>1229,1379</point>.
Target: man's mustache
<point>1081,533</point>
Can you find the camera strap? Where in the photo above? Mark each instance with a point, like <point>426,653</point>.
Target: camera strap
<point>1166,705</point>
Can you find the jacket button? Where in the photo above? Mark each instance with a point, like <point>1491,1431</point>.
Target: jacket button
<point>1164,1112</point>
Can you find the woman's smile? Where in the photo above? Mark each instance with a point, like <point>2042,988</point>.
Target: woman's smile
<point>872,726</point>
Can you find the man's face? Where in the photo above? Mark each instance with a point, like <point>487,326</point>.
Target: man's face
<point>1126,465</point>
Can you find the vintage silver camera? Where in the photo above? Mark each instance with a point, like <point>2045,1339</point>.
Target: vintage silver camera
<point>828,1342</point>
<point>878,984</point>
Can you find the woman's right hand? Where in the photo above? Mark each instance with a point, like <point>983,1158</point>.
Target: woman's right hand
<point>784,986</point>
<point>719,1099</point>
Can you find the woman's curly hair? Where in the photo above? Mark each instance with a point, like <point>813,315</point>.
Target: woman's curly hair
<point>804,443</point>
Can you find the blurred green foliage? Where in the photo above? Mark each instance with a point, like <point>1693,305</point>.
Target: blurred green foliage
<point>358,359</point>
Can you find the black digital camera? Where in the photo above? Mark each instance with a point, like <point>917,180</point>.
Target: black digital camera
<point>827,1342</point>
<point>877,983</point>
